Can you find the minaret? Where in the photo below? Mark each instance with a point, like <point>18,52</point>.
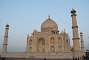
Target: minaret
<point>76,44</point>
<point>27,47</point>
<point>82,41</point>
<point>5,42</point>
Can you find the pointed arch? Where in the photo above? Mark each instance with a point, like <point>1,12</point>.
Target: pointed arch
<point>52,40</point>
<point>41,45</point>
<point>52,48</point>
<point>52,44</point>
<point>59,42</point>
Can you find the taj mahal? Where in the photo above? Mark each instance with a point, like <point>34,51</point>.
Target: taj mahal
<point>49,43</point>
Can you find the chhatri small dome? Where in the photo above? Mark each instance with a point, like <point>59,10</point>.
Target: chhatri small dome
<point>49,25</point>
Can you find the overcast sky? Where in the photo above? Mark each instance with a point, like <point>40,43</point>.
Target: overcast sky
<point>24,16</point>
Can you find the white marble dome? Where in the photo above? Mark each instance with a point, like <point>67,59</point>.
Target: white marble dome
<point>49,25</point>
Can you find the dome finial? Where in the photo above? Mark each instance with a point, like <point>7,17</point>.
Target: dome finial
<point>27,36</point>
<point>65,26</point>
<point>49,17</point>
<point>64,29</point>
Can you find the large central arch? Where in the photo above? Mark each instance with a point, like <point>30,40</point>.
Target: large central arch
<point>41,45</point>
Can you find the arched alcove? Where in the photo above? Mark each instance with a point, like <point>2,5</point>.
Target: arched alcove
<point>41,45</point>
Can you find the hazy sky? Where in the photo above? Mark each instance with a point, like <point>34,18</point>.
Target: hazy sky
<point>24,16</point>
